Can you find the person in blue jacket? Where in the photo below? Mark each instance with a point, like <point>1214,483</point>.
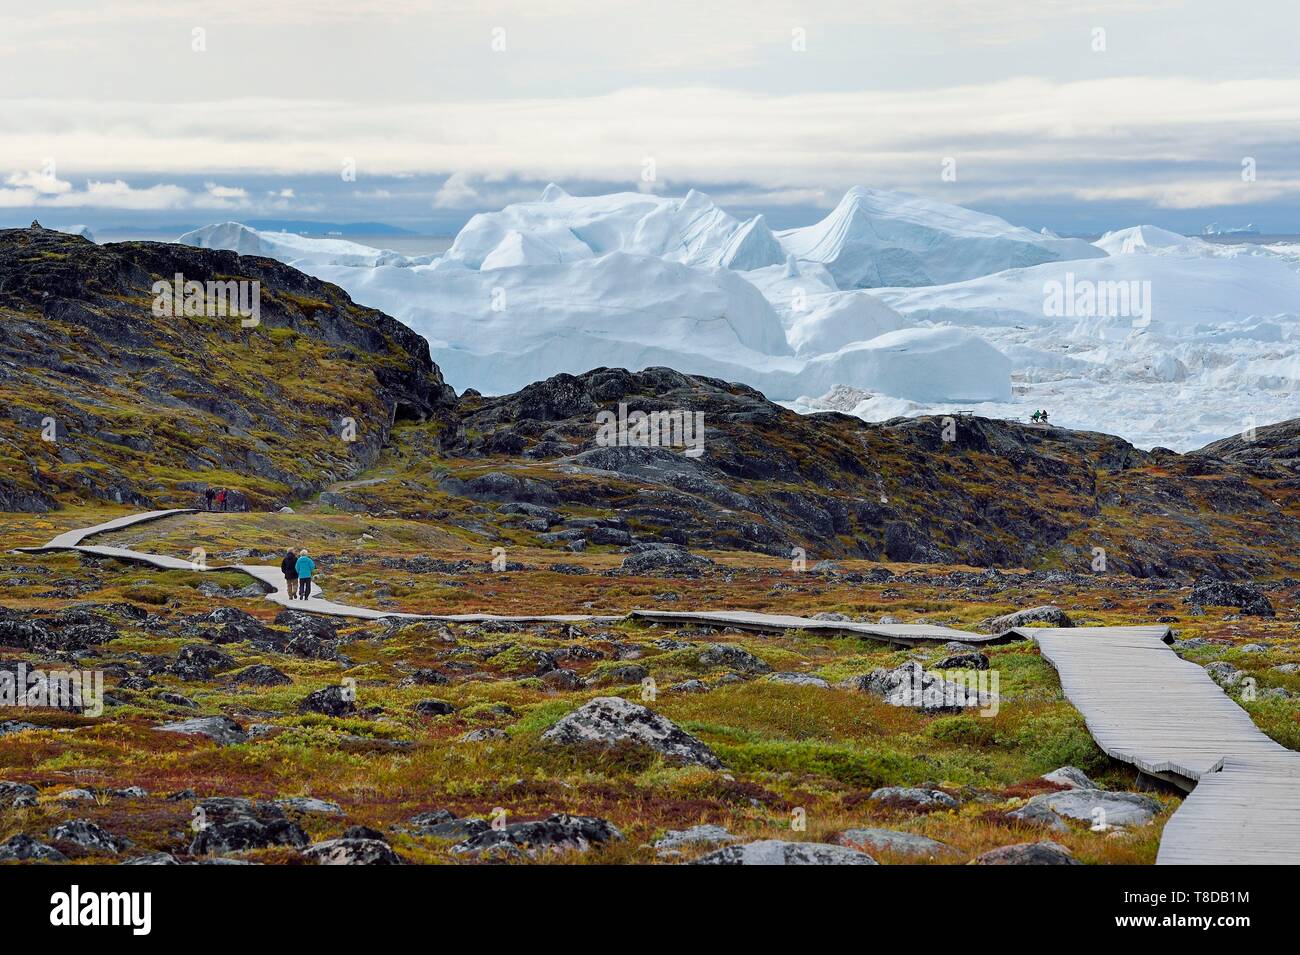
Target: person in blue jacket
<point>305,565</point>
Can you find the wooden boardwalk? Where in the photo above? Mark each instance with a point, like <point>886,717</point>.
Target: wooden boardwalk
<point>1147,706</point>
<point>899,634</point>
<point>1142,703</point>
<point>271,577</point>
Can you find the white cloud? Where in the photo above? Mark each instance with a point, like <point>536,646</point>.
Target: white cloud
<point>36,189</point>
<point>462,191</point>
<point>1134,133</point>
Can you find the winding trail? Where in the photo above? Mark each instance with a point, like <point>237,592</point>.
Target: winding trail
<point>1142,703</point>
<point>1147,706</point>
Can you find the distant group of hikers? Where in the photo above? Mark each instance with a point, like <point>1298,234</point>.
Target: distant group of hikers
<point>297,568</point>
<point>1039,416</point>
<point>218,496</point>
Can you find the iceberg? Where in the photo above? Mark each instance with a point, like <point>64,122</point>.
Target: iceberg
<point>299,251</point>
<point>564,228</point>
<point>877,238</point>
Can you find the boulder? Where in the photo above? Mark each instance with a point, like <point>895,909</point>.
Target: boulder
<point>232,824</point>
<point>310,804</point>
<point>1100,806</point>
<point>307,624</point>
<point>1037,814</point>
<point>199,661</point>
<point>557,833</point>
<point>75,795</point>
<point>1047,614</point>
<point>664,560</point>
<point>797,679</point>
<point>1027,853</point>
<point>970,660</point>
<point>562,679</point>
<point>689,686</point>
<point>1224,673</point>
<point>484,735</point>
<point>16,795</point>
<point>222,729</point>
<point>776,852</point>
<point>1070,777</point>
<point>87,835</point>
<point>908,684</point>
<point>445,824</point>
<point>673,841</point>
<point>608,721</point>
<point>732,657</point>
<point>261,674</point>
<point>331,701</point>
<point>22,847</point>
<point>352,852</point>
<point>232,625</point>
<point>891,840</point>
<point>913,798</point>
<point>434,708</point>
<point>16,726</point>
<point>1225,593</point>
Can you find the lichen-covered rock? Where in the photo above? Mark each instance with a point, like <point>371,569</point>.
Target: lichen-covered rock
<point>233,824</point>
<point>1037,814</point>
<point>445,824</point>
<point>970,660</point>
<point>434,708</point>
<point>1027,853</point>
<point>913,798</point>
<point>557,833</point>
<point>222,729</point>
<point>665,560</point>
<point>1226,593</point>
<point>797,679</point>
<point>1047,614</point>
<point>16,794</point>
<point>330,700</point>
<point>262,674</point>
<point>1070,777</point>
<point>310,804</point>
<point>892,840</point>
<point>672,842</point>
<point>352,852</point>
<point>910,685</point>
<point>610,720</point>
<point>1224,673</point>
<point>199,661</point>
<point>1100,806</point>
<point>562,678</point>
<point>22,847</point>
<point>732,657</point>
<point>87,835</point>
<point>776,852</point>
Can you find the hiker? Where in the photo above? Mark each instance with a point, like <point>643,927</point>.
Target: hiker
<point>1034,417</point>
<point>289,567</point>
<point>304,566</point>
<point>1044,418</point>
<point>208,495</point>
<point>221,499</point>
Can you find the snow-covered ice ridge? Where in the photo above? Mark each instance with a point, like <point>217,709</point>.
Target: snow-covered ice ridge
<point>893,304</point>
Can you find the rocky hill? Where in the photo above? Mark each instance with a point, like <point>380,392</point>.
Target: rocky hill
<point>927,490</point>
<point>146,409</point>
<point>101,399</point>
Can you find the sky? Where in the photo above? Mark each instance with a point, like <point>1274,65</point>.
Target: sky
<point>1078,116</point>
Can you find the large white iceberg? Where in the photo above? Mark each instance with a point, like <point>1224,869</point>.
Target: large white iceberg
<point>564,228</point>
<point>288,247</point>
<point>876,238</point>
